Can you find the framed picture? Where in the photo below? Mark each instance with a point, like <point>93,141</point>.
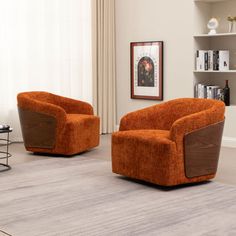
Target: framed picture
<point>147,70</point>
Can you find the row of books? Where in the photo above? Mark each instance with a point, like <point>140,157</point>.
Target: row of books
<point>211,60</point>
<point>209,91</point>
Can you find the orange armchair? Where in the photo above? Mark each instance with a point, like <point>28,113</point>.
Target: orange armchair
<point>172,143</point>
<point>57,125</point>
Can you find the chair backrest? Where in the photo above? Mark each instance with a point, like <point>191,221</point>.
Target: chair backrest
<point>181,107</point>
<point>35,95</point>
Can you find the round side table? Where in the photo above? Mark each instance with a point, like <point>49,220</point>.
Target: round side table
<point>4,142</point>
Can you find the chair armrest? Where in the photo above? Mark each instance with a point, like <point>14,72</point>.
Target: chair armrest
<point>154,117</point>
<point>73,106</point>
<point>193,122</point>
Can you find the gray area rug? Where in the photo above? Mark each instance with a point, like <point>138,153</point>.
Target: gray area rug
<point>80,196</point>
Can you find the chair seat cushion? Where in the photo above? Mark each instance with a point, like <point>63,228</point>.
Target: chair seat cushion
<point>144,134</point>
<point>75,119</point>
<point>141,154</point>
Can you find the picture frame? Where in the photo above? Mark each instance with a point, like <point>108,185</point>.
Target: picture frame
<point>147,70</point>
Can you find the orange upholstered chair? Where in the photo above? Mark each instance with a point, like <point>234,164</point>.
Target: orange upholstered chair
<point>57,125</point>
<point>172,143</point>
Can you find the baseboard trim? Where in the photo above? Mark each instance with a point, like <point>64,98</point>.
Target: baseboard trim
<point>228,142</point>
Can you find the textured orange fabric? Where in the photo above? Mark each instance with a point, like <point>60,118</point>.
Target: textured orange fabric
<point>149,145</point>
<point>77,128</point>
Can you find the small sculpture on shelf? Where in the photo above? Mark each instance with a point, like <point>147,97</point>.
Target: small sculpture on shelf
<point>212,25</point>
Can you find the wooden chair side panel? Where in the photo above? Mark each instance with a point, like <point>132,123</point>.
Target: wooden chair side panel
<point>202,150</point>
<point>38,129</point>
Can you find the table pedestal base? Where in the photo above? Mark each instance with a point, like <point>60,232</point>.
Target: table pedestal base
<point>6,167</point>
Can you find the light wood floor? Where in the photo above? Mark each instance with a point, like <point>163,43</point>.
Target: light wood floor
<point>81,197</point>
<point>226,170</point>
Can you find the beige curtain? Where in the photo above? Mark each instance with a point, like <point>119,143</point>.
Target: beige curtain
<point>103,40</point>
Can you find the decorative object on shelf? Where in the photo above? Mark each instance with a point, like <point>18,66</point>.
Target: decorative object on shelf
<point>212,25</point>
<point>4,127</point>
<point>147,70</point>
<point>227,93</point>
<point>231,23</point>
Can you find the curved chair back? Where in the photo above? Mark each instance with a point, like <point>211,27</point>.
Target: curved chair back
<point>182,107</point>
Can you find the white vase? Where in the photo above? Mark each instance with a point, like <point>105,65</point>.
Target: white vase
<point>231,26</point>
<point>234,27</point>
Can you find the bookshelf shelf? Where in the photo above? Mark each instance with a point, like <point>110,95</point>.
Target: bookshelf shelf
<point>215,35</point>
<point>215,71</point>
<point>231,108</point>
<point>211,1</point>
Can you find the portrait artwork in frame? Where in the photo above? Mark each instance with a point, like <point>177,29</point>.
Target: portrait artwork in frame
<point>147,70</point>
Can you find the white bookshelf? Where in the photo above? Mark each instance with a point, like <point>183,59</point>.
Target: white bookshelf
<point>220,9</point>
<point>215,71</point>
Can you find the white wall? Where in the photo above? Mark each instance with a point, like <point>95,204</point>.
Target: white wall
<point>155,20</point>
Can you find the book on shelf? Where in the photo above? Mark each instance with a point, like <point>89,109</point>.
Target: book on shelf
<point>215,60</point>
<point>212,60</point>
<point>223,60</point>
<point>200,91</point>
<point>200,60</point>
<point>213,92</point>
<point>208,91</point>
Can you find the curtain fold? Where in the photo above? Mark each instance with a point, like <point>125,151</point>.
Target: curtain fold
<point>103,51</point>
<point>44,45</point>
